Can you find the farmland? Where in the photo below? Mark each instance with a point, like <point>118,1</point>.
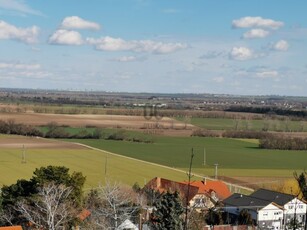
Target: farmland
<point>235,157</point>
<point>171,135</point>
<point>95,165</point>
<point>249,124</point>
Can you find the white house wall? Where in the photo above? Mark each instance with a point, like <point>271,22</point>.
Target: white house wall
<point>270,212</point>
<point>295,208</point>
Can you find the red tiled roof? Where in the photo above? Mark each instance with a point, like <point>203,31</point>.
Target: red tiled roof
<point>164,185</point>
<point>11,228</point>
<point>219,187</point>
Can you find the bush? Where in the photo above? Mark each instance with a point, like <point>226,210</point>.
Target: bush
<point>283,143</point>
<point>204,133</point>
<point>246,134</point>
<point>10,127</point>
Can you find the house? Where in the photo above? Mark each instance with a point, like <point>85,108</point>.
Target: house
<point>218,190</point>
<point>202,194</point>
<point>163,185</point>
<point>265,214</point>
<point>293,207</point>
<point>268,209</point>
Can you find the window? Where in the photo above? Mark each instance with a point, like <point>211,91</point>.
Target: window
<point>290,206</point>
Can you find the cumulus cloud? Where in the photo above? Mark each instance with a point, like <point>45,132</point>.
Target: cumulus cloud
<point>281,45</point>
<point>19,66</point>
<point>66,37</point>
<point>11,32</point>
<point>19,6</point>
<point>119,44</point>
<point>75,22</point>
<point>241,53</point>
<point>247,22</point>
<point>256,33</point>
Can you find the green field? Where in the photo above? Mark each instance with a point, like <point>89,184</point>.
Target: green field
<point>241,124</point>
<point>235,157</point>
<point>95,165</point>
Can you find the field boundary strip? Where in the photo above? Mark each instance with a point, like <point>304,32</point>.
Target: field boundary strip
<point>163,166</point>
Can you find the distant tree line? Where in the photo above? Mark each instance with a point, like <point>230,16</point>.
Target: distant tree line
<point>55,130</point>
<point>283,143</point>
<point>268,110</point>
<point>246,134</point>
<point>266,140</point>
<point>11,127</point>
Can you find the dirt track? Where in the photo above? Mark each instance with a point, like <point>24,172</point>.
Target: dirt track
<point>16,142</point>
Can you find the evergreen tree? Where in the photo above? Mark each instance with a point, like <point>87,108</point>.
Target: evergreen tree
<point>213,217</point>
<point>167,212</point>
<point>245,218</point>
<point>302,182</point>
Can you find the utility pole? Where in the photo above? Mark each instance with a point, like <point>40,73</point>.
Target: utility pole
<point>205,156</point>
<point>215,173</point>
<point>188,193</point>
<point>23,155</point>
<point>105,166</point>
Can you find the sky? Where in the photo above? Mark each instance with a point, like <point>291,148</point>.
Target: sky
<point>241,47</point>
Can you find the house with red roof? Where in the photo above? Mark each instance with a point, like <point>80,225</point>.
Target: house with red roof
<point>202,194</point>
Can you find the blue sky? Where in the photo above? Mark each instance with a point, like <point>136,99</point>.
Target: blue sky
<point>246,47</point>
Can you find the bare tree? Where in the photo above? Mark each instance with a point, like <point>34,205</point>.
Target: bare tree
<point>7,216</point>
<point>50,208</point>
<point>111,205</point>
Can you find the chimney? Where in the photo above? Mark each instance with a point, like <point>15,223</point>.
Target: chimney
<point>158,182</point>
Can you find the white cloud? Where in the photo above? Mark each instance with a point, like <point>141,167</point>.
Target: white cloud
<point>66,37</point>
<point>126,59</point>
<point>256,33</point>
<point>119,44</point>
<point>218,79</point>
<point>241,53</point>
<point>75,22</point>
<point>267,74</point>
<point>281,45</point>
<point>19,6</point>
<point>247,22</point>
<point>18,66</point>
<point>26,35</point>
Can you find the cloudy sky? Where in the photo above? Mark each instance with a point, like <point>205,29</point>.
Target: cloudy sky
<point>255,47</point>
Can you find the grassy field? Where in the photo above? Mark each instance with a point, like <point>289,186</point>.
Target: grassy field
<point>95,165</point>
<point>235,157</point>
<point>230,124</point>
